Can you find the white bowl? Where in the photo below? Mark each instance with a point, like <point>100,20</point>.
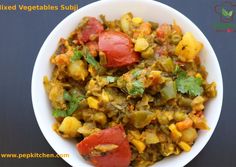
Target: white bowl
<point>149,10</point>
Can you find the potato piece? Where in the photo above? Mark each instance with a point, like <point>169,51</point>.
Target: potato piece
<point>125,22</point>
<point>150,137</point>
<point>78,70</point>
<point>198,103</point>
<point>162,118</point>
<point>88,129</point>
<point>199,122</point>
<point>56,96</point>
<point>189,135</point>
<point>188,48</point>
<point>140,45</point>
<point>87,114</point>
<point>69,127</point>
<point>93,103</point>
<point>179,116</point>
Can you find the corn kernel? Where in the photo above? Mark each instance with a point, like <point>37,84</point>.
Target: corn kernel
<point>184,146</point>
<point>92,102</point>
<point>174,132</point>
<point>140,45</point>
<point>137,20</point>
<point>105,96</point>
<point>135,133</point>
<point>198,75</point>
<point>139,145</point>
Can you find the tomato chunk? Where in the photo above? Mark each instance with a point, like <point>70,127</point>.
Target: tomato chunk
<point>119,157</point>
<point>91,30</point>
<point>163,32</point>
<point>118,49</point>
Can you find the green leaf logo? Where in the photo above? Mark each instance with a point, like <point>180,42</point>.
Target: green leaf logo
<point>226,13</point>
<point>230,13</point>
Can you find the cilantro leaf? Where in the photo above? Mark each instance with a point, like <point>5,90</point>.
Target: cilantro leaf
<point>111,79</point>
<point>78,99</point>
<point>90,59</point>
<point>74,101</point>
<point>72,108</point>
<point>77,55</point>
<point>136,73</point>
<point>74,104</point>
<point>59,113</point>
<point>180,72</point>
<point>188,84</point>
<point>137,88</point>
<point>66,96</point>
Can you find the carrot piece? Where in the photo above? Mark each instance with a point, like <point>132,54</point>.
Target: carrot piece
<point>61,59</point>
<point>146,28</point>
<point>185,124</point>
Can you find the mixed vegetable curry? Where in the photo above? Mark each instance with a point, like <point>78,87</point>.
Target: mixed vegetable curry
<point>131,92</point>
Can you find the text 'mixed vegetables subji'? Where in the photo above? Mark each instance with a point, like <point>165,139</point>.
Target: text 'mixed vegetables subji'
<point>44,7</point>
<point>32,155</point>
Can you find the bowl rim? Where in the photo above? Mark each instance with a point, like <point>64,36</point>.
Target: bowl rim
<point>93,4</point>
